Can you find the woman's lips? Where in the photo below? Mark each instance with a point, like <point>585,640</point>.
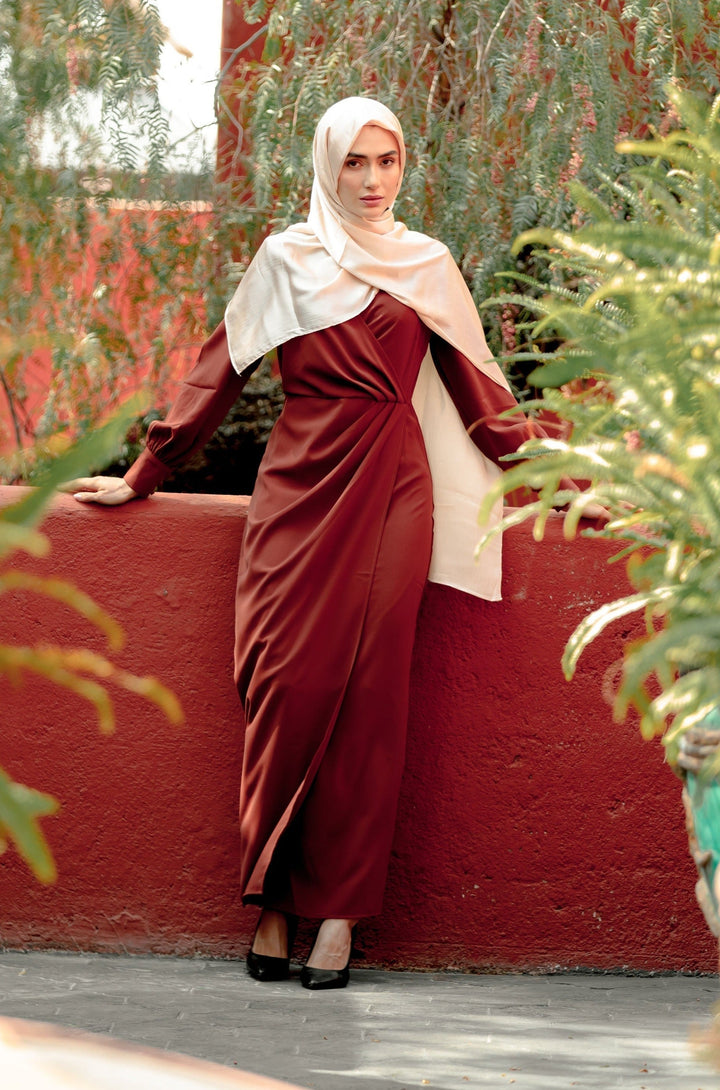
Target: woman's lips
<point>372,200</point>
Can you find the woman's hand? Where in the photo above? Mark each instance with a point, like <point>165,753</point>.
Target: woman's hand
<point>110,491</point>
<point>597,512</point>
<point>593,511</point>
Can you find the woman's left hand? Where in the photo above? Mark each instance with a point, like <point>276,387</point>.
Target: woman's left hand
<point>108,491</point>
<point>596,512</point>
<point>593,511</point>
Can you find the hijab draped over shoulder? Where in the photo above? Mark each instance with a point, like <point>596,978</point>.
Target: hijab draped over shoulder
<point>326,271</point>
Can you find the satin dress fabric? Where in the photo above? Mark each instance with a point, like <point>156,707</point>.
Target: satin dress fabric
<point>334,562</point>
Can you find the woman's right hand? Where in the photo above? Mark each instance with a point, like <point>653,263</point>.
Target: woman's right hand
<point>110,491</point>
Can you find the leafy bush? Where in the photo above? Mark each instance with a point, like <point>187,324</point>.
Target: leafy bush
<point>637,376</point>
<point>101,263</point>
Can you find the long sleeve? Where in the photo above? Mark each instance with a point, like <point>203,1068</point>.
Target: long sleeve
<point>480,403</point>
<point>206,396</point>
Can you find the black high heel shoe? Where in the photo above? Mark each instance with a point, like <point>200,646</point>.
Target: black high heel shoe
<point>268,969</point>
<point>318,980</point>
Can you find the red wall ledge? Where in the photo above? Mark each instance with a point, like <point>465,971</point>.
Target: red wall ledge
<point>533,832</point>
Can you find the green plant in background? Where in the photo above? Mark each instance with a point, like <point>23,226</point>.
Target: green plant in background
<point>110,261</point>
<point>108,287</point>
<point>81,671</point>
<point>638,361</point>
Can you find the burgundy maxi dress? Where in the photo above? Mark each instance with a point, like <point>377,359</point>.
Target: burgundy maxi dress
<point>334,562</point>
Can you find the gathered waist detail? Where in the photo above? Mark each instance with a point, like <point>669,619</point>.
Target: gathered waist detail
<point>348,397</point>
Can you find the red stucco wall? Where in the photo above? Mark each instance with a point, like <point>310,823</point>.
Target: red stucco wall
<point>533,832</point>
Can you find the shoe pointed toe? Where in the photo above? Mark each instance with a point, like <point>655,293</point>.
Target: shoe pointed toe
<point>319,980</point>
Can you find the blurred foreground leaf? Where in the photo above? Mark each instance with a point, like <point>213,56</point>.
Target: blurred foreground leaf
<point>78,670</point>
<point>20,807</point>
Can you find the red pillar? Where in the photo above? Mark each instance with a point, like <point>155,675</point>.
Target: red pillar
<point>241,45</point>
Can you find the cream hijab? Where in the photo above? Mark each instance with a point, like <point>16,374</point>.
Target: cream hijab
<point>325,271</point>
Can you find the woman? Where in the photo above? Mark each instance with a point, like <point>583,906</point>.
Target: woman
<point>375,329</point>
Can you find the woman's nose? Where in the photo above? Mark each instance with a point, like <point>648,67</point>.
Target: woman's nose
<point>371,177</point>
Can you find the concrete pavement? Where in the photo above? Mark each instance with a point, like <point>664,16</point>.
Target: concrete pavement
<point>387,1031</point>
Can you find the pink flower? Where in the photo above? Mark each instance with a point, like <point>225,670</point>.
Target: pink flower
<point>507,329</point>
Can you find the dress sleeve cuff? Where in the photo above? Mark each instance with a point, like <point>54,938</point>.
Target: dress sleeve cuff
<point>146,473</point>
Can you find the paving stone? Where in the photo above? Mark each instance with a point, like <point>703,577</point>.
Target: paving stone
<point>386,1031</point>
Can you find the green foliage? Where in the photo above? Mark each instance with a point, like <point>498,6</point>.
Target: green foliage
<point>639,350</point>
<point>78,670</point>
<point>55,54</point>
<point>20,808</point>
<point>108,269</point>
<point>100,260</point>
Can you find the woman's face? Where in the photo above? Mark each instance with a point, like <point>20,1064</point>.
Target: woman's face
<point>370,176</point>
